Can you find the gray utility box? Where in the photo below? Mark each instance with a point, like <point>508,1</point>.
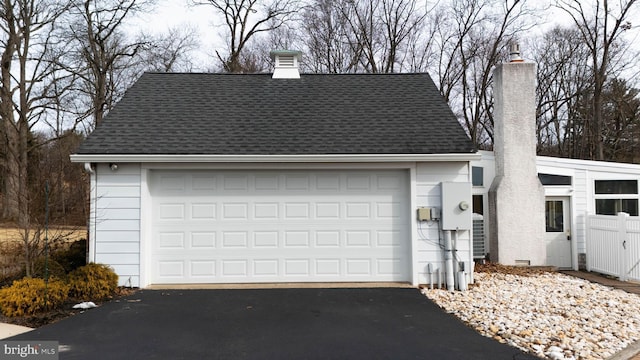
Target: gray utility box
<point>456,206</point>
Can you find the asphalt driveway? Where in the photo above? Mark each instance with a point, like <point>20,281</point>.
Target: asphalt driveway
<point>379,323</point>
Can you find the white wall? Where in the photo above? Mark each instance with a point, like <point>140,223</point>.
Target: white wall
<point>429,177</point>
<point>581,192</point>
<point>117,221</point>
<point>120,227</point>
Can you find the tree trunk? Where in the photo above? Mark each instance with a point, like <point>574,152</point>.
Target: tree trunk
<point>12,177</point>
<point>11,199</point>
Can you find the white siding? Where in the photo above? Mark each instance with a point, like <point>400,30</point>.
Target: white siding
<point>429,177</point>
<point>118,226</point>
<point>581,191</point>
<point>117,221</point>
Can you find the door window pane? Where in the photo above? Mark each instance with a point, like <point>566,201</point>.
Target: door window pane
<point>554,216</point>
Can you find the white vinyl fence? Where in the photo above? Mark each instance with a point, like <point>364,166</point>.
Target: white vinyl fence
<point>613,245</point>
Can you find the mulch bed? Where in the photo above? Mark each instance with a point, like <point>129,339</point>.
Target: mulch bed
<point>53,315</point>
<point>489,267</point>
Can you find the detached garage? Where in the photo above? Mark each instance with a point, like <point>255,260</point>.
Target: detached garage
<point>214,178</point>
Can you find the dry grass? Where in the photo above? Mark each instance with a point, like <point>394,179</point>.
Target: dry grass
<point>70,233</point>
<point>11,244</point>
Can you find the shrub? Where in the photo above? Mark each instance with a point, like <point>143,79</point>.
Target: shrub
<point>55,270</point>
<point>72,257</point>
<point>93,282</point>
<point>27,296</point>
<point>11,259</point>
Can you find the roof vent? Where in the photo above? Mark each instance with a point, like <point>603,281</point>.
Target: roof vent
<point>286,64</point>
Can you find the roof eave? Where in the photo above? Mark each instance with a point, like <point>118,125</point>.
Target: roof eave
<point>321,158</point>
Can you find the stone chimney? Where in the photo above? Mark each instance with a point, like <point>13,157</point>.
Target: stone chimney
<point>287,62</point>
<point>516,197</point>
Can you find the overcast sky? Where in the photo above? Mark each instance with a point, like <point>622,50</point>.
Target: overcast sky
<point>172,13</point>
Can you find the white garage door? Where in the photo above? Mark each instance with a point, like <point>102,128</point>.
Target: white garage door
<point>280,226</point>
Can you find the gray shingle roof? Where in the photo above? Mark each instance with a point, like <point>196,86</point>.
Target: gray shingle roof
<point>224,114</point>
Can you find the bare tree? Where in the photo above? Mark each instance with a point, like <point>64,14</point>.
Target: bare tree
<point>362,36</point>
<point>171,51</point>
<point>601,27</point>
<point>421,50</point>
<point>28,69</point>
<point>563,82</point>
<point>244,19</point>
<point>473,39</point>
<point>621,113</point>
<point>327,49</point>
<point>103,55</point>
<point>377,31</point>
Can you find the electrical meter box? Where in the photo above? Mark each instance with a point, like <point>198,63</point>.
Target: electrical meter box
<point>456,206</point>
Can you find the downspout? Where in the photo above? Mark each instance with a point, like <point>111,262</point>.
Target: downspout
<point>91,241</point>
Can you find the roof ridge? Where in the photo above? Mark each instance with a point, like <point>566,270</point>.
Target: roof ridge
<point>271,73</point>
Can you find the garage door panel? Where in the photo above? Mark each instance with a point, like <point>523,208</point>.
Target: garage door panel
<point>235,267</point>
<point>235,182</point>
<point>235,211</point>
<point>171,240</point>
<point>297,182</point>
<point>389,238</point>
<point>203,182</point>
<point>234,239</point>
<point>202,268</point>
<point>239,226</point>
<point>359,182</point>
<point>266,210</point>
<point>328,182</point>
<point>266,239</point>
<point>266,267</point>
<point>273,236</point>
<point>203,211</point>
<point>296,211</point>
<point>169,211</point>
<point>389,266</point>
<point>271,269</point>
<point>203,240</point>
<point>171,183</point>
<point>358,210</point>
<point>168,269</point>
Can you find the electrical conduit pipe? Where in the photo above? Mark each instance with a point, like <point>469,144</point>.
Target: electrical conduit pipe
<point>448,260</point>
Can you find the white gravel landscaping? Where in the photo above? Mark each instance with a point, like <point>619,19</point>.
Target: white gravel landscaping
<point>548,314</point>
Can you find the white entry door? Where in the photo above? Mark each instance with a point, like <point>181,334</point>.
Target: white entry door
<point>558,231</point>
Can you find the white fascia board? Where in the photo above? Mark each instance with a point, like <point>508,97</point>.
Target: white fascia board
<point>594,165</point>
<point>103,158</point>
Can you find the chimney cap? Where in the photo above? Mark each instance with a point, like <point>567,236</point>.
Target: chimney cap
<point>514,53</point>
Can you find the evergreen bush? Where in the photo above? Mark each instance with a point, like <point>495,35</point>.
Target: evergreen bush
<point>31,295</point>
<point>93,282</point>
